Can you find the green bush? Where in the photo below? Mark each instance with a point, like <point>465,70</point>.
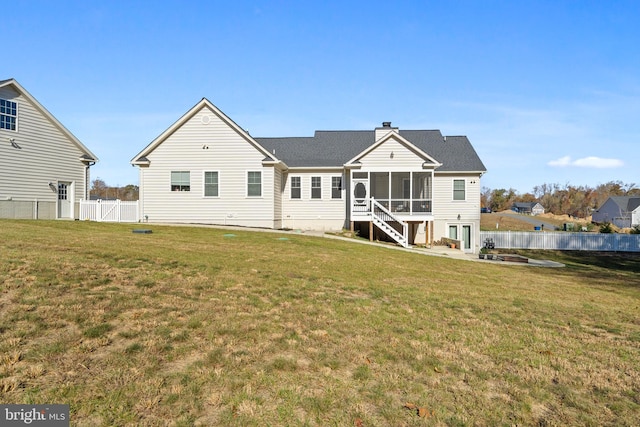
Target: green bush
<point>606,228</point>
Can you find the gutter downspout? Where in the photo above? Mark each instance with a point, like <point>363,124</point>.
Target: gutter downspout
<point>87,179</point>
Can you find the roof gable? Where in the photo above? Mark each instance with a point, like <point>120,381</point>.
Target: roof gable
<point>142,159</point>
<point>402,141</point>
<point>87,156</point>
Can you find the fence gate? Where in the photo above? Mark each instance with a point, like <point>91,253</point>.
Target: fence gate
<point>109,211</point>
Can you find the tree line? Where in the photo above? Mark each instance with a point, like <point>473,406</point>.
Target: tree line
<point>577,201</point>
<point>100,190</point>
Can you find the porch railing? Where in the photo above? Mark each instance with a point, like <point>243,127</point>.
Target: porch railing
<point>389,223</point>
<point>406,206</point>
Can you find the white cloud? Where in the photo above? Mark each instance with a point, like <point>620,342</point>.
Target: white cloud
<point>587,162</point>
<point>561,162</point>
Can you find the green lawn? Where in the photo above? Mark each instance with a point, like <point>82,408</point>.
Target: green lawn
<point>202,326</point>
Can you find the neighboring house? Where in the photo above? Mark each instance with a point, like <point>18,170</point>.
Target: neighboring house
<point>528,208</point>
<point>44,169</point>
<point>414,186</point>
<point>621,211</point>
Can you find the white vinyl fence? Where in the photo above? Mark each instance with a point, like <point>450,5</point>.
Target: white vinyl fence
<point>563,241</point>
<point>109,211</point>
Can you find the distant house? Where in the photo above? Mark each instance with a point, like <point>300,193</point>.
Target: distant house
<point>528,208</point>
<point>44,168</point>
<point>411,186</point>
<point>621,211</point>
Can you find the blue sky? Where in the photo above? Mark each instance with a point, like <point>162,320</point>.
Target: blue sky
<point>547,91</point>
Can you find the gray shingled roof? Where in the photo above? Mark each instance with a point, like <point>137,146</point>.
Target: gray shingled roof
<point>626,203</point>
<point>335,148</point>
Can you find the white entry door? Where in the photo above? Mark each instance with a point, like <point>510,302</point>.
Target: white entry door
<point>64,200</point>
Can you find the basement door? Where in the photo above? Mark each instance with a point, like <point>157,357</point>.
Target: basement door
<point>466,236</point>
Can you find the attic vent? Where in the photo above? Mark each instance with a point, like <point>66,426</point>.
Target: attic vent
<point>206,120</point>
<point>386,124</point>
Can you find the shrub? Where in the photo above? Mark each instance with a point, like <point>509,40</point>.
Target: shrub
<point>606,228</point>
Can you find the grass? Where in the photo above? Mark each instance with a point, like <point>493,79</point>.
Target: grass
<point>509,221</point>
<point>187,326</point>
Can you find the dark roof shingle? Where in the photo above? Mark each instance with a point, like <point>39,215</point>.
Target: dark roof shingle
<point>335,148</point>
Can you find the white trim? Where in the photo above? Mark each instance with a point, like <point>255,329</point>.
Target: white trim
<point>458,173</point>
<point>314,168</point>
<point>171,190</point>
<point>17,115</point>
<point>204,184</point>
<point>290,186</point>
<point>311,187</point>
<point>246,186</point>
<point>453,190</point>
<point>341,187</point>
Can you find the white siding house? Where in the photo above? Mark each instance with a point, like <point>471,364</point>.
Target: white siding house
<point>413,187</point>
<point>205,169</point>
<point>44,168</point>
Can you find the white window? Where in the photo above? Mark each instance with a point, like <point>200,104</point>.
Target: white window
<point>63,191</point>
<point>211,186</point>
<point>336,187</point>
<point>180,181</point>
<point>254,184</point>
<point>458,189</point>
<point>8,114</point>
<point>316,187</point>
<point>296,191</point>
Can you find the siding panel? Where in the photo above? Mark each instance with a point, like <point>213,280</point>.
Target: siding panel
<point>45,155</point>
<point>207,143</point>
<point>314,214</point>
<point>446,210</point>
<point>381,158</point>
